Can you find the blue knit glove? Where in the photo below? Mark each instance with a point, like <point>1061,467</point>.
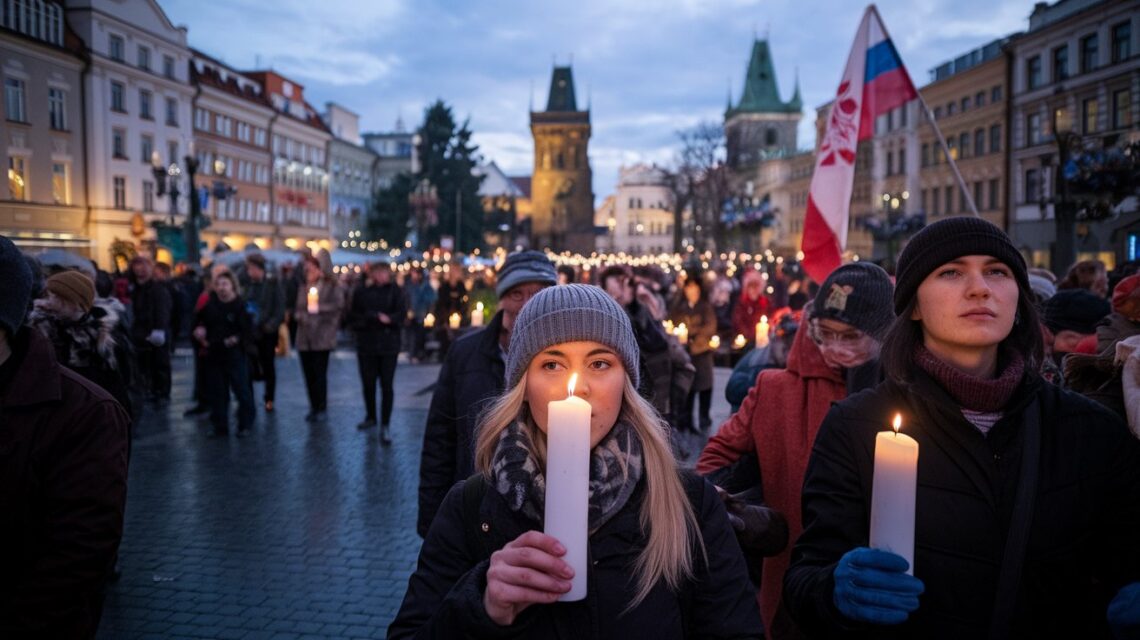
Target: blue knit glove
<point>871,586</point>
<point>1124,613</point>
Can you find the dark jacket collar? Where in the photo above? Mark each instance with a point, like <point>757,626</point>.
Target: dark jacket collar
<point>38,374</point>
<point>489,338</point>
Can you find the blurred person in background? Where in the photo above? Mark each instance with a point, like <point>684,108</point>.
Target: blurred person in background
<point>376,313</point>
<point>420,299</point>
<point>317,332</point>
<point>223,329</point>
<point>151,304</point>
<point>693,310</point>
<point>1086,274</point>
<point>265,299</point>
<point>750,306</point>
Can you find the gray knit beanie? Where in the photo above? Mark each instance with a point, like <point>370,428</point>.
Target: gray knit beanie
<point>525,266</point>
<point>570,313</point>
<point>15,286</point>
<point>858,294</point>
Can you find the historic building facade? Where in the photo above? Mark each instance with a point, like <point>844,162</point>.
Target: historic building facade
<point>1076,79</point>
<point>138,102</point>
<point>562,182</point>
<point>232,116</point>
<point>43,201</point>
<point>638,217</point>
<point>299,142</point>
<point>352,171</point>
<point>761,125</point>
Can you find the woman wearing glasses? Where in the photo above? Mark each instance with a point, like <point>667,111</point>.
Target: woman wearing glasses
<point>1028,496</point>
<point>833,355</point>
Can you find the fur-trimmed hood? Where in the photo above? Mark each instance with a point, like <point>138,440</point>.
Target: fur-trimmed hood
<point>83,343</point>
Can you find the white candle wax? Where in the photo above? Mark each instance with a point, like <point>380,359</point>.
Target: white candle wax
<point>762,332</point>
<point>568,485</point>
<point>477,315</point>
<point>682,333</point>
<point>314,301</point>
<point>893,491</point>
<point>429,321</point>
<point>453,321</point>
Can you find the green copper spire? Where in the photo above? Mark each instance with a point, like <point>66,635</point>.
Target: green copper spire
<point>761,93</point>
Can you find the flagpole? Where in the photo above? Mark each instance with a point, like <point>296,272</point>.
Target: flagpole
<point>934,123</point>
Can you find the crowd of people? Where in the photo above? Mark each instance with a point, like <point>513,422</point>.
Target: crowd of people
<point>1021,389</point>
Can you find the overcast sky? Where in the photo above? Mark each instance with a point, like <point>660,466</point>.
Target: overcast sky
<point>648,67</point>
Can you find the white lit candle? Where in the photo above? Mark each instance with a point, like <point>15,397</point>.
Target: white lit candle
<point>429,321</point>
<point>893,490</point>
<point>477,315</point>
<point>762,332</point>
<point>314,301</point>
<point>714,342</point>
<point>568,483</point>
<point>668,324</point>
<point>682,333</point>
<point>739,342</point>
<point>453,321</point>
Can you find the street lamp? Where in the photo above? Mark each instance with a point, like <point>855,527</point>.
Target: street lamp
<point>1064,211</point>
<point>161,185</point>
<point>166,183</point>
<point>611,223</point>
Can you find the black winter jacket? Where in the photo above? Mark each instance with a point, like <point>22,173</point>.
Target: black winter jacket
<point>372,336</point>
<point>1081,547</point>
<point>445,594</point>
<point>151,305</point>
<point>472,374</point>
<point>224,320</point>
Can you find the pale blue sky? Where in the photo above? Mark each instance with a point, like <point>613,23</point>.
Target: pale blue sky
<point>649,68</point>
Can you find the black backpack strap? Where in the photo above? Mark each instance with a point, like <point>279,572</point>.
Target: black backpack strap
<point>1018,537</point>
<point>478,536</point>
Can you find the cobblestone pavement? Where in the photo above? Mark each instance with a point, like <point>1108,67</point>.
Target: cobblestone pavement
<point>298,531</point>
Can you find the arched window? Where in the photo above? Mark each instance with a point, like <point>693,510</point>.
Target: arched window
<point>770,137</point>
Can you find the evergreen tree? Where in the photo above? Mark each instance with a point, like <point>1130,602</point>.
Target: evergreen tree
<point>447,159</point>
<point>391,213</point>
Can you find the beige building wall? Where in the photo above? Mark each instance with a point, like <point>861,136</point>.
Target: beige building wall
<point>43,200</point>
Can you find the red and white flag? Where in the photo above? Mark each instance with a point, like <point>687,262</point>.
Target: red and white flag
<point>874,82</point>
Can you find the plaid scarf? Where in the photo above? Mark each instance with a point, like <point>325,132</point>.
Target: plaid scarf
<point>616,466</point>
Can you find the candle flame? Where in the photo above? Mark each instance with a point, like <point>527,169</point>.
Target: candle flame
<point>897,422</point>
<point>313,291</point>
<point>763,319</point>
<point>573,381</point>
<point>479,306</point>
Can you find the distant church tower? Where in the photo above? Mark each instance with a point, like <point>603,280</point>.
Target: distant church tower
<point>561,186</point>
<point>761,125</point>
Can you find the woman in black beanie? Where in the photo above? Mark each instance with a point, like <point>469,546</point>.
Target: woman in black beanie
<point>1028,496</point>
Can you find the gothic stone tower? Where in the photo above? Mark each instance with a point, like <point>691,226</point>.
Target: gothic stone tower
<point>761,125</point>
<point>561,187</point>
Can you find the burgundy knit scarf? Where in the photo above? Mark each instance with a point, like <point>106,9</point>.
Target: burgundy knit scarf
<point>972,392</point>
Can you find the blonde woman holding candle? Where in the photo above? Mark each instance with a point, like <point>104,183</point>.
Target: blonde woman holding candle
<point>318,308</point>
<point>661,559</point>
<point>1027,496</point>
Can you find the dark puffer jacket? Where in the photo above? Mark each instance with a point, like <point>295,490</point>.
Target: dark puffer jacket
<point>1081,545</point>
<point>472,375</point>
<point>63,486</point>
<point>445,594</point>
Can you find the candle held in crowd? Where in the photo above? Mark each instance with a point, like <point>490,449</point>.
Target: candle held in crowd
<point>668,324</point>
<point>568,483</point>
<point>477,315</point>
<point>682,333</point>
<point>313,301</point>
<point>762,332</point>
<point>429,321</point>
<point>739,342</point>
<point>714,342</point>
<point>454,321</point>
<point>894,488</point>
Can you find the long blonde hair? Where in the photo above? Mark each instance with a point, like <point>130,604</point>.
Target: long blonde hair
<point>666,517</point>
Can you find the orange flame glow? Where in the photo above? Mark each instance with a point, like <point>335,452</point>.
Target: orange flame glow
<point>573,381</point>
<point>897,422</point>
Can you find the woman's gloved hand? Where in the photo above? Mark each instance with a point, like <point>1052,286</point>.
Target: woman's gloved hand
<point>871,586</point>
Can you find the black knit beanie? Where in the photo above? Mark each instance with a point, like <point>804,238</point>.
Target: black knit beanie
<point>15,286</point>
<point>948,240</point>
<point>858,294</point>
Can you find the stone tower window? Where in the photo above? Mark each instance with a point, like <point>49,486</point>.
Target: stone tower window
<point>770,137</point>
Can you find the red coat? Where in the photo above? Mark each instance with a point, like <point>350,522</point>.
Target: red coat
<point>778,420</point>
<point>63,486</point>
<point>747,313</point>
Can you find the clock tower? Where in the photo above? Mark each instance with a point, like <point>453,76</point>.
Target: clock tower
<point>562,183</point>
